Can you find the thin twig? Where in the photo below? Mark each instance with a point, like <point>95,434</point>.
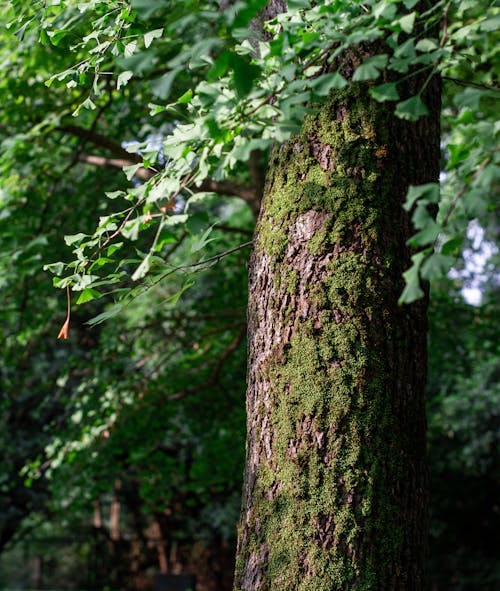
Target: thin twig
<point>467,83</point>
<point>444,20</point>
<point>214,377</point>
<point>216,258</point>
<point>207,262</point>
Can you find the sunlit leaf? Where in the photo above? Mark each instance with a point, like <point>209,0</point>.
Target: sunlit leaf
<point>87,295</point>
<point>123,78</point>
<point>150,35</point>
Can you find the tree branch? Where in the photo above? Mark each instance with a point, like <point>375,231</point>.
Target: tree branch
<point>250,194</point>
<point>141,172</point>
<point>100,140</point>
<point>469,83</point>
<point>213,380</point>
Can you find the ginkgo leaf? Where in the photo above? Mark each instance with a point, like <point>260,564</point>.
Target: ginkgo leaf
<point>63,333</point>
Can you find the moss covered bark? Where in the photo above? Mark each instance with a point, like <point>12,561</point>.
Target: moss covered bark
<point>335,484</point>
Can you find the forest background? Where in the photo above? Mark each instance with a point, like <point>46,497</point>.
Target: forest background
<point>123,444</point>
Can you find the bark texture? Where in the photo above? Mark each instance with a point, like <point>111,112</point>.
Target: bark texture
<point>335,491</point>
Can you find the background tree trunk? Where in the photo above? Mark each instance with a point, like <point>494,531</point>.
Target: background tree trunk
<point>335,492</point>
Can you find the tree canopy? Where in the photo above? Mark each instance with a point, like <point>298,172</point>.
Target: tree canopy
<point>215,92</point>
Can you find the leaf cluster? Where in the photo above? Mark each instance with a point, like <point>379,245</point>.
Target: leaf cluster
<point>221,85</point>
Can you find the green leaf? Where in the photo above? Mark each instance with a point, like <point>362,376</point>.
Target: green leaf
<point>44,38</point>
<point>55,268</point>
<point>114,194</point>
<point>77,416</point>
<point>62,282</point>
<point>429,232</point>
<point>407,22</point>
<point>244,74</point>
<point>22,30</point>
<point>173,299</point>
<point>173,220</point>
<point>165,237</point>
<point>426,45</point>
<point>185,98</point>
<point>146,8</point>
<point>113,248</point>
<point>436,266</point>
<point>323,84</point>
<point>57,36</point>
<point>100,262</point>
<point>385,10</point>
<point>143,268</point>
<point>156,109</point>
<point>220,66</point>
<point>150,35</point>
<point>411,109</point>
<point>81,282</point>
<point>131,229</point>
<point>294,107</point>
<point>140,63</point>
<point>243,148</point>
<point>88,103</point>
<point>130,49</point>
<point>385,92</point>
<point>452,246</point>
<point>87,295</point>
<point>203,240</point>
<point>162,86</point>
<point>422,216</point>
<point>131,170</point>
<point>412,290</point>
<point>429,192</point>
<point>109,313</point>
<point>74,238</point>
<point>490,24</point>
<point>123,79</point>
<point>370,69</point>
<point>297,4</point>
<point>457,153</point>
<point>476,203</point>
<point>469,97</point>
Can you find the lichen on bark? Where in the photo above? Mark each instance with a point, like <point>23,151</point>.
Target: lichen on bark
<point>335,481</point>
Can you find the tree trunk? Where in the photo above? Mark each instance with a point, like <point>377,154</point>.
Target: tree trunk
<point>335,492</point>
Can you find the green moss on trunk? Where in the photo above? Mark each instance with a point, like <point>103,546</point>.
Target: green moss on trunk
<point>335,484</point>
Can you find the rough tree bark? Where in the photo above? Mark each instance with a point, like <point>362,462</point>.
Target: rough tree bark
<point>335,492</point>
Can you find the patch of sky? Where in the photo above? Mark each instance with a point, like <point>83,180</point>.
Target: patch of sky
<point>478,269</point>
